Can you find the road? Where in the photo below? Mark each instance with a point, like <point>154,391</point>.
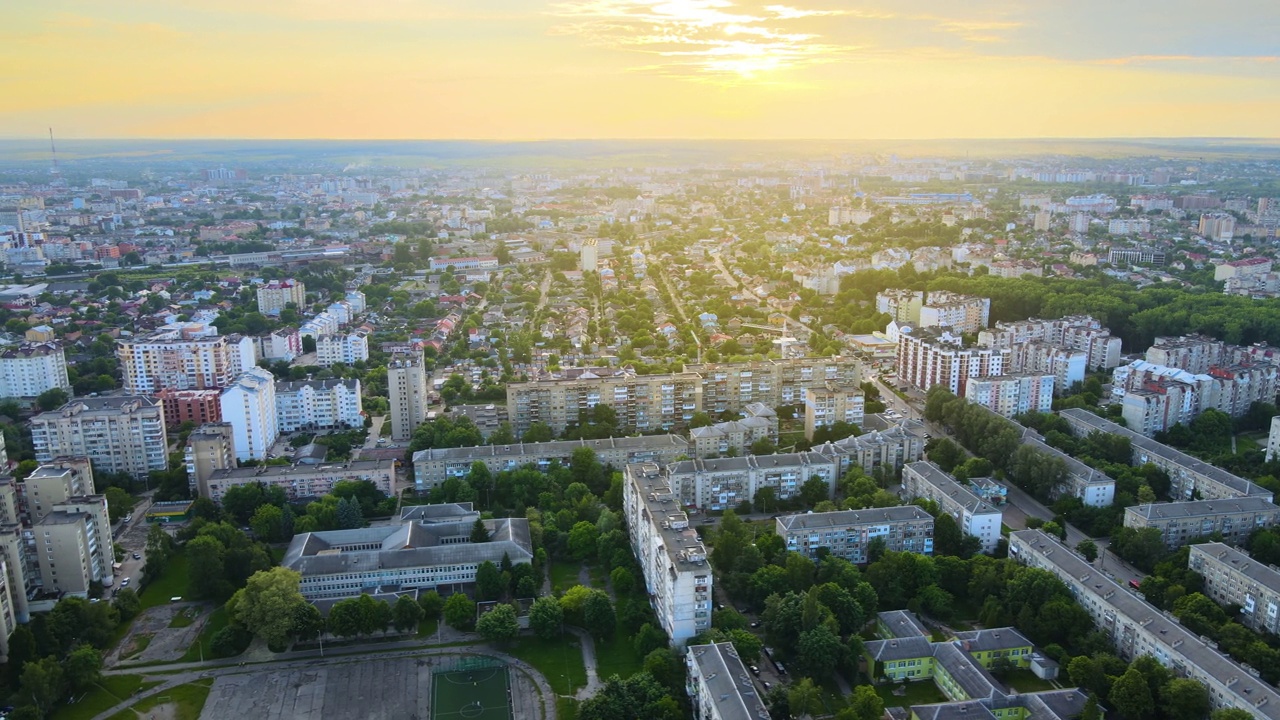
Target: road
<point>132,536</point>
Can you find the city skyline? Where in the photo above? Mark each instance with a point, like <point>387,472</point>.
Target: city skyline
<point>735,69</point>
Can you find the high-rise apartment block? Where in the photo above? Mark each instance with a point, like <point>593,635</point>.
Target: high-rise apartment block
<point>902,305</point>
<point>120,433</point>
<point>347,349</point>
<point>1155,397</point>
<point>643,402</point>
<point>735,437</point>
<point>973,515</point>
<point>1240,269</point>
<point>956,312</point>
<point>275,295</point>
<point>831,403</point>
<point>732,387</point>
<point>848,533</point>
<point>283,344</point>
<point>723,483</point>
<point>1273,440</point>
<point>1067,366</point>
<point>1010,395</point>
<point>719,686</point>
<point>1218,226</point>
<point>885,451</point>
<point>211,447</point>
<point>1231,577</point>
<point>53,483</point>
<point>32,368</point>
<point>319,405</point>
<point>73,545</point>
<point>927,357</point>
<point>1075,333</point>
<point>182,357</point>
<point>677,574</point>
<point>197,406</point>
<point>589,255</point>
<point>407,391</point>
<point>249,406</point>
<point>1194,353</point>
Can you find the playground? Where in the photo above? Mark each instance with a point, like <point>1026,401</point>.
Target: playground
<point>473,689</point>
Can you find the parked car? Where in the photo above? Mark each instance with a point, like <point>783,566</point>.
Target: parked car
<point>124,582</point>
<point>754,670</point>
<point>137,556</point>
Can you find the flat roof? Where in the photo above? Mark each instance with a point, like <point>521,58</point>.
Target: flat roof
<point>935,476</point>
<point>839,518</point>
<point>731,688</point>
<point>273,471</point>
<point>1224,554</point>
<point>554,448</point>
<point>667,516</point>
<point>1200,508</point>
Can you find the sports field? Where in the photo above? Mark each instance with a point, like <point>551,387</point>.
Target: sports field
<point>479,694</point>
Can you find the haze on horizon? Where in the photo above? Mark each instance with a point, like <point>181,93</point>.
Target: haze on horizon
<point>545,69</point>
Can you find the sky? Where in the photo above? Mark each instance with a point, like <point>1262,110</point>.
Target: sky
<point>739,69</point>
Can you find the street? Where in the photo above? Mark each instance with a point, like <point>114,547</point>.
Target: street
<point>133,538</point>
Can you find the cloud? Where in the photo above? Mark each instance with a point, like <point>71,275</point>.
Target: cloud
<point>699,39</point>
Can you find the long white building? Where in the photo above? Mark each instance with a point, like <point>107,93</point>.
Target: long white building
<point>32,368</point>
<point>249,406</point>
<point>973,515</point>
<point>182,357</point>
<point>677,574</point>
<point>723,483</point>
<point>319,405</point>
<point>719,686</point>
<point>348,348</point>
<point>1231,577</point>
<point>849,533</point>
<point>1137,628</point>
<point>1010,395</point>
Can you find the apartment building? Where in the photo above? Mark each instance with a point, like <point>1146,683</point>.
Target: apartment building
<point>902,305</point>
<point>426,551</point>
<point>830,403</point>
<point>848,533</point>
<point>719,686</point>
<point>324,323</point>
<point>886,450</point>
<point>1181,522</point>
<point>73,546</point>
<point>1066,365</point>
<point>249,406</point>
<point>407,392</point>
<point>589,255</point>
<point>973,515</point>
<point>956,312</point>
<point>677,575</point>
<point>643,402</point>
<point>1010,395</point>
<point>9,617</point>
<point>1094,487</point>
<point>302,481</point>
<point>348,349</point>
<point>1240,269</point>
<point>732,387</point>
<point>1218,226</point>
<point>197,406</point>
<point>275,295</point>
<point>1075,332</point>
<point>735,437</point>
<point>182,357</point>
<point>1188,476</point>
<point>1194,353</point>
<point>53,483</point>
<point>927,358</point>
<point>318,405</point>
<point>120,433</point>
<point>722,484</point>
<point>32,368</point>
<point>1137,628</point>
<point>283,344</point>
<point>211,447</point>
<point>435,465</point>
<point>1165,396</point>
<point>1231,577</point>
<point>1273,439</point>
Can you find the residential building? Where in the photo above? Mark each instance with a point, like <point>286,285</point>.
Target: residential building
<point>249,406</point>
<point>973,515</point>
<point>73,546</point>
<point>302,480</point>
<point>1189,476</point>
<point>426,551</point>
<point>732,437</point>
<point>435,465</point>
<point>53,483</point>
<point>1181,522</point>
<point>1066,365</point>
<point>643,402</point>
<point>927,358</point>
<point>830,403</point>
<point>733,387</point>
<point>1137,628</point>
<point>1218,226</point>
<point>1010,395</point>
<point>1075,332</point>
<point>407,392</point>
<point>589,255</point>
<point>347,349</point>
<point>487,418</point>
<point>677,575</point>
<point>30,369</point>
<point>1129,226</point>
<point>182,357</point>
<point>956,312</point>
<point>9,608</point>
<point>283,344</point>
<point>847,533</point>
<point>1273,439</point>
<point>1094,487</point>
<point>719,686</point>
<point>722,484</point>
<point>211,447</point>
<point>902,305</point>
<point>882,451</point>
<point>197,406</point>
<point>1232,578</point>
<point>275,295</point>
<point>318,405</point>
<point>1194,353</point>
<point>119,433</point>
<point>1237,269</point>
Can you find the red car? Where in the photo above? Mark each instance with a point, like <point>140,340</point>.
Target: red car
<point>1135,584</point>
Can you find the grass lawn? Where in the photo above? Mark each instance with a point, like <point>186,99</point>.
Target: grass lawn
<point>559,661</point>
<point>566,708</point>
<point>1248,441</point>
<point>921,692</point>
<point>427,628</point>
<point>599,578</point>
<point>107,693</point>
<point>1025,681</point>
<point>563,577</point>
<point>218,619</point>
<point>617,656</point>
<point>188,700</point>
<point>171,583</point>
<point>185,618</point>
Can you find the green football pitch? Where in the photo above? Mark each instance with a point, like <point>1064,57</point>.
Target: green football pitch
<point>479,694</point>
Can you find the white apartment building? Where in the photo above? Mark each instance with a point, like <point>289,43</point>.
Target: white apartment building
<point>903,305</point>
<point>733,437</point>
<point>848,533</point>
<point>1231,577</point>
<point>249,406</point>
<point>275,295</point>
<point>319,405</point>
<point>1138,628</point>
<point>1010,395</point>
<point>32,368</point>
<point>118,433</point>
<point>589,255</point>
<point>1075,332</point>
<point>356,300</point>
<point>326,323</point>
<point>973,515</point>
<point>73,546</point>
<point>719,686</point>
<point>283,344</point>
<point>1273,439</point>
<point>829,404</point>
<point>888,449</point>
<point>347,349</point>
<point>182,357</point>
<point>1181,522</point>
<point>956,312</point>
<point>677,574</point>
<point>407,392</point>
<point>723,483</point>
<point>927,358</point>
<point>1066,365</point>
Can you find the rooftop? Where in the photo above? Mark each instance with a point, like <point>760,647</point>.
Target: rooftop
<point>841,518</point>
<point>663,511</point>
<point>1200,508</point>
<point>731,688</point>
<point>274,471</point>
<point>1264,575</point>
<point>554,448</point>
<point>902,623</point>
<point>948,486</point>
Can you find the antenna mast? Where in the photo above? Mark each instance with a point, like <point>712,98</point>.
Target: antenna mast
<point>53,152</point>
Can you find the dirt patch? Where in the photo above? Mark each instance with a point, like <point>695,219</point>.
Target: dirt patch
<point>166,643</point>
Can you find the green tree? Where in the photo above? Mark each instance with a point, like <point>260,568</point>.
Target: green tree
<point>82,668</point>
<point>818,652</point>
<point>479,533</point>
<point>1184,699</point>
<point>639,696</point>
<point>459,612</point>
<point>432,604</point>
<point>308,623</point>
<point>864,704</point>
<point>42,681</point>
<point>582,541</point>
<point>598,614</point>
<point>206,576</point>
<point>815,490</point>
<point>268,523</point>
<point>1231,714</point>
<point>489,583</point>
<point>499,624</point>
<point>805,699</point>
<point>119,502</point>
<point>267,604</point>
<point>406,614</point>
<point>1131,696</point>
<point>1088,549</point>
<point>538,431</point>
<point>52,399</point>
<point>546,618</point>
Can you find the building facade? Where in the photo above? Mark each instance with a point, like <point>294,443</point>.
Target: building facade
<point>348,349</point>
<point>318,405</point>
<point>74,546</point>
<point>956,312</point>
<point>722,484</point>
<point>848,533</point>
<point>1010,395</point>
<point>878,451</point>
<point>927,358</point>
<point>1231,577</point>
<point>119,434</point>
<point>830,403</point>
<point>407,392</point>
<point>197,406</point>
<point>211,447</point>
<point>1181,522</point>
<point>973,515</point>
<point>182,357</point>
<point>32,368</point>
<point>275,295</point>
<point>302,481</point>
<point>249,406</point>
<point>719,686</point>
